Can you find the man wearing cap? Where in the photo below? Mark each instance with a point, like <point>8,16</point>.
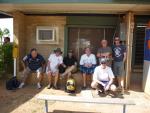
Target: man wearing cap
<point>70,63</point>
<point>103,78</point>
<point>54,61</point>
<point>33,62</point>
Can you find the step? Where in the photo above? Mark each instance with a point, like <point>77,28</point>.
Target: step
<point>137,70</point>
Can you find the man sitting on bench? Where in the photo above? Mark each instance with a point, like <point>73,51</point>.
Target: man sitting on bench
<point>33,62</point>
<point>103,78</point>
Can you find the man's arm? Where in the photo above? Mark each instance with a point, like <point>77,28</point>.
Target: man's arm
<point>25,62</point>
<point>111,78</point>
<point>95,78</point>
<point>125,56</point>
<point>124,53</point>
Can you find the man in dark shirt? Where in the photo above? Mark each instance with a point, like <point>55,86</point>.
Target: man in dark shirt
<point>70,62</point>
<point>33,62</point>
<point>119,57</point>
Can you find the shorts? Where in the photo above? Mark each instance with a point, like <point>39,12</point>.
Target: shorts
<point>87,70</point>
<point>53,71</point>
<point>118,69</point>
<point>27,71</point>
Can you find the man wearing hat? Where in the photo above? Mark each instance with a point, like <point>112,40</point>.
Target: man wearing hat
<point>103,77</point>
<point>70,63</point>
<point>54,61</point>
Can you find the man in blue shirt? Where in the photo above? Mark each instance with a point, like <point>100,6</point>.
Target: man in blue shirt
<point>33,62</point>
<point>119,57</point>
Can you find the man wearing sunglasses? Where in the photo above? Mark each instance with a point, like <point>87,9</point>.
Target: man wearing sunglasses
<point>119,57</point>
<point>103,78</point>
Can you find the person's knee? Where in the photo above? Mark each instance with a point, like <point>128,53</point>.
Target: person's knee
<point>49,74</point>
<point>113,87</point>
<point>94,85</point>
<point>26,71</point>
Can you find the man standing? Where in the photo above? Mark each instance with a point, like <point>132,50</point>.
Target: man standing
<point>105,52</point>
<point>33,62</point>
<point>119,57</point>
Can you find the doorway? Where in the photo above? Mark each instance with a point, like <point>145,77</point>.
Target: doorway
<point>81,37</point>
<point>138,51</point>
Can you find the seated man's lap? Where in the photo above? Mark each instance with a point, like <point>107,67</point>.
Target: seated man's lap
<point>27,71</point>
<point>72,68</point>
<point>87,70</point>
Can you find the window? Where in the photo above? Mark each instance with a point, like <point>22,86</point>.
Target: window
<point>46,35</point>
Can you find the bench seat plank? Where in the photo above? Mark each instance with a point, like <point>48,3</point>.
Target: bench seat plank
<point>85,100</point>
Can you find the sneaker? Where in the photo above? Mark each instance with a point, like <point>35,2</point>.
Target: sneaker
<point>84,88</point>
<point>21,85</point>
<point>38,85</point>
<point>55,87</point>
<point>49,86</point>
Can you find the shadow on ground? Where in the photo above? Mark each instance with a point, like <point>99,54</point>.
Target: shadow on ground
<point>10,100</point>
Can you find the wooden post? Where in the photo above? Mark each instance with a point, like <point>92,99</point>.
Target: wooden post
<point>129,40</point>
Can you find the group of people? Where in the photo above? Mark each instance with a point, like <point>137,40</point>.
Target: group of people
<point>98,67</point>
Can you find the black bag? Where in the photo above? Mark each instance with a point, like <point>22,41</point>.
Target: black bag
<point>12,83</point>
<point>61,69</point>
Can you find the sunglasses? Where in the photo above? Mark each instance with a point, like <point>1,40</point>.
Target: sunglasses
<point>103,63</point>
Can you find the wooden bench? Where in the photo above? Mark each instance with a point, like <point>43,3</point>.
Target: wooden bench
<point>112,101</point>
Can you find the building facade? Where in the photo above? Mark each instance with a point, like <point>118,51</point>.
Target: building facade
<point>75,24</point>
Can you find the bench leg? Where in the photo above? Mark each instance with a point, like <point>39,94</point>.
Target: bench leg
<point>46,106</point>
<point>124,108</point>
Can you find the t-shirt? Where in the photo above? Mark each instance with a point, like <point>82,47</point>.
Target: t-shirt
<point>101,74</point>
<point>104,50</point>
<point>55,61</point>
<point>69,61</point>
<point>34,63</point>
<point>85,59</point>
<point>118,52</point>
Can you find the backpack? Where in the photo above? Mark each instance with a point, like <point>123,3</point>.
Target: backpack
<point>61,69</point>
<point>12,83</point>
<point>70,86</point>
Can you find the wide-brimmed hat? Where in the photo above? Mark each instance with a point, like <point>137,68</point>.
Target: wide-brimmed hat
<point>58,50</point>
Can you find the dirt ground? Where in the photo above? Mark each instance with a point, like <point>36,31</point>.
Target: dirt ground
<point>25,101</point>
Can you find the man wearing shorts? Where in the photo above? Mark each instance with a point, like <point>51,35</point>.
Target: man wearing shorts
<point>87,65</point>
<point>70,62</point>
<point>33,62</point>
<point>119,57</point>
<point>103,78</point>
<point>54,61</point>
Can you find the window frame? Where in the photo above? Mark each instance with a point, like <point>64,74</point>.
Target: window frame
<point>54,39</point>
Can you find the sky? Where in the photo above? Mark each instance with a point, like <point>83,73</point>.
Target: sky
<point>7,23</point>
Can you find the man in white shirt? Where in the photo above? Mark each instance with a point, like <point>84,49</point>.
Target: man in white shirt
<point>103,78</point>
<point>87,65</point>
<point>54,61</point>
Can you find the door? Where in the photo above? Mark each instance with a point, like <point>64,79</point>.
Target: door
<point>79,38</point>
